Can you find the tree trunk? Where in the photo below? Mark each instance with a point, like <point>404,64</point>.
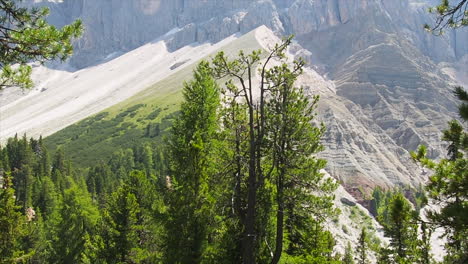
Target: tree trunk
<point>249,236</point>
<point>279,219</point>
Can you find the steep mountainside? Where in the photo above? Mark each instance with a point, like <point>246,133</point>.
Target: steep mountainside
<point>123,25</point>
<point>380,75</point>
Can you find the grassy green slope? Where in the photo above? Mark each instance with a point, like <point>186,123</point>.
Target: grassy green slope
<point>144,118</point>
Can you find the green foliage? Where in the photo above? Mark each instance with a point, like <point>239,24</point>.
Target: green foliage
<point>26,37</point>
<point>399,228</point>
<point>449,14</point>
<point>270,147</point>
<point>457,138</point>
<point>348,257</point>
<point>120,233</point>
<point>362,248</point>
<point>191,167</point>
<point>64,227</point>
<point>154,114</point>
<point>238,182</point>
<point>98,137</point>
<point>78,220</point>
<point>402,225</point>
<point>11,224</point>
<point>462,95</point>
<point>448,186</point>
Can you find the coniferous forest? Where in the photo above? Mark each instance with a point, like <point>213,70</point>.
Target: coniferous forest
<point>237,179</point>
<point>231,185</point>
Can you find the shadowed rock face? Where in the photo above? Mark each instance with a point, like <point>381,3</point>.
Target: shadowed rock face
<point>387,94</point>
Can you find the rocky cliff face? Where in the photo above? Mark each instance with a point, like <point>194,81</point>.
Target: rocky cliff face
<point>119,26</point>
<point>386,93</point>
<point>123,25</point>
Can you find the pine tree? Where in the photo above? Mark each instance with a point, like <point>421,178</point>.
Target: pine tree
<point>348,257</point>
<point>47,198</point>
<point>28,37</point>
<point>59,170</point>
<point>273,166</point>
<point>449,14</point>
<point>362,248</point>
<point>36,239</point>
<point>148,160</point>
<point>462,95</point>
<point>11,224</point>
<point>294,140</point>
<point>100,180</point>
<point>23,185</point>
<point>401,228</point>
<point>424,246</point>
<point>120,227</point>
<point>191,166</point>
<point>448,186</point>
<point>78,219</point>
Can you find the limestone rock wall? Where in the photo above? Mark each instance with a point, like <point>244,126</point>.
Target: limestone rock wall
<point>119,25</point>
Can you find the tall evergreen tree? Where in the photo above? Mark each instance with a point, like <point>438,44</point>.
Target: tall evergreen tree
<point>401,228</point>
<point>120,227</point>
<point>294,141</point>
<point>348,257</point>
<point>448,186</point>
<point>47,198</point>
<point>59,170</point>
<point>273,166</point>
<point>191,166</point>
<point>23,185</point>
<point>11,224</point>
<point>73,234</point>
<point>132,223</point>
<point>362,248</point>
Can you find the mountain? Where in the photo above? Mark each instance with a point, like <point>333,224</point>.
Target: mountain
<point>124,25</point>
<point>384,82</point>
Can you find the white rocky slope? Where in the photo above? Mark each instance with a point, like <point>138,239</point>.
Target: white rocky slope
<point>63,97</point>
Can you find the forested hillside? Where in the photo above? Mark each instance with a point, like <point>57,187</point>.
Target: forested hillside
<point>226,186</point>
<point>224,160</point>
